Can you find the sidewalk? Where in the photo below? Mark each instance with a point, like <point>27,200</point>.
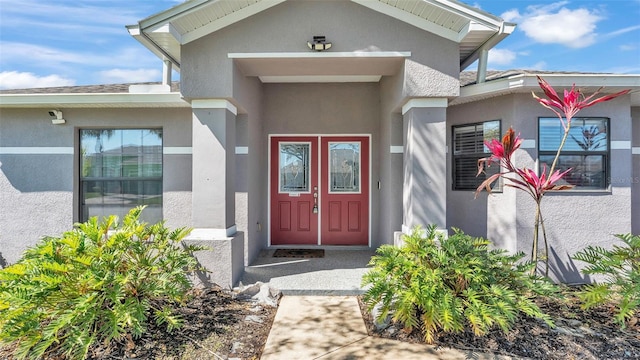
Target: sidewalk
<point>331,327</point>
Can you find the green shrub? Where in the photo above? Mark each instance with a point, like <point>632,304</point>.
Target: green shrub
<point>621,268</point>
<point>98,282</point>
<point>449,283</point>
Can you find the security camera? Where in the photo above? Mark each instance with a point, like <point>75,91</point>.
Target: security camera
<point>57,114</point>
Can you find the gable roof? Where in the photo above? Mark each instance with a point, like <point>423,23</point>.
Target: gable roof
<point>473,29</point>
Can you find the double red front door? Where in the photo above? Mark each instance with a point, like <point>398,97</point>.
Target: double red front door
<point>319,190</point>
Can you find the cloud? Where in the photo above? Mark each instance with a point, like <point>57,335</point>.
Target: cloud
<point>68,60</point>
<point>540,65</point>
<point>24,52</point>
<point>628,47</point>
<point>556,24</point>
<point>622,31</point>
<point>23,80</point>
<point>511,15</point>
<point>129,75</point>
<point>501,57</point>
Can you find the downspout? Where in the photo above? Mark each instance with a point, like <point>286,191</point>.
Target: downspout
<point>167,68</point>
<point>157,47</point>
<point>505,30</point>
<point>481,75</point>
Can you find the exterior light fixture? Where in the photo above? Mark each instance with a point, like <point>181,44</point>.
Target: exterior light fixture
<point>319,43</point>
<point>57,117</point>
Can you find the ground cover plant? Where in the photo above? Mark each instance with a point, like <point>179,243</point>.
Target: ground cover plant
<point>102,281</point>
<point>620,267</point>
<point>448,284</point>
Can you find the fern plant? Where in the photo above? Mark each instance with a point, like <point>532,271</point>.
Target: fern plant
<point>620,267</point>
<point>99,282</point>
<point>439,283</point>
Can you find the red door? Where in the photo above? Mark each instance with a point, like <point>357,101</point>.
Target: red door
<point>345,190</point>
<point>294,181</point>
<point>326,205</point>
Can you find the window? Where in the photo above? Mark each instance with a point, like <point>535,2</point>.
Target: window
<point>344,164</point>
<point>586,150</point>
<point>468,148</point>
<point>294,167</point>
<point>120,169</point>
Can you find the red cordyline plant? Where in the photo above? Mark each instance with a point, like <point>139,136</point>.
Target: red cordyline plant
<point>527,179</point>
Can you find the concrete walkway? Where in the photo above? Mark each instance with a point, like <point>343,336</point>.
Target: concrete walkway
<point>331,327</point>
<point>339,272</point>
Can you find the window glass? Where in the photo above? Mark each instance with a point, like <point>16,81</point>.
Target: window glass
<point>344,162</point>
<point>468,148</point>
<point>586,151</point>
<point>294,167</point>
<point>121,169</point>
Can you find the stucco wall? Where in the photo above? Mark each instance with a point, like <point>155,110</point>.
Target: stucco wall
<point>485,215</point>
<point>573,219</point>
<point>251,169</point>
<point>206,70</point>
<point>391,164</point>
<point>635,175</point>
<point>349,108</point>
<point>38,192</point>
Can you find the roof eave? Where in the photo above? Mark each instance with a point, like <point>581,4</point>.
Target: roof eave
<point>90,100</point>
<point>506,29</point>
<point>522,83</point>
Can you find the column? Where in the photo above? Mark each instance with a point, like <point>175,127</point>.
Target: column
<point>424,163</point>
<point>213,191</point>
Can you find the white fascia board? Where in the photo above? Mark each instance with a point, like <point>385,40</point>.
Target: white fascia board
<point>17,100</point>
<point>524,82</point>
<point>169,29</point>
<point>424,103</point>
<point>409,18</point>
<point>315,54</point>
<point>505,30</point>
<point>134,30</point>
<point>229,19</point>
<point>179,10</point>
<point>214,104</point>
<point>472,27</point>
<point>590,80</point>
<point>468,12</point>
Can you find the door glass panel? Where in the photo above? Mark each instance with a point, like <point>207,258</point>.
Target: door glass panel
<point>294,167</point>
<point>344,164</point>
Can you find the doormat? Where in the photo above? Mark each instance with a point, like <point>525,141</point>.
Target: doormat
<point>299,253</point>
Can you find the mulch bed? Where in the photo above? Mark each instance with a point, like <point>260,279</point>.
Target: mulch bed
<point>216,326</point>
<point>579,334</point>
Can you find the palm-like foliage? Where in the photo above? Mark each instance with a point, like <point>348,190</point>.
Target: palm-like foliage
<point>95,283</point>
<point>449,283</point>
<point>620,267</point>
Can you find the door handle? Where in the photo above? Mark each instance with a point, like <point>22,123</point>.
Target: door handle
<point>315,199</point>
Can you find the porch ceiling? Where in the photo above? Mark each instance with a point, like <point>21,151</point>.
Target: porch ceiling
<point>473,29</point>
<point>320,67</point>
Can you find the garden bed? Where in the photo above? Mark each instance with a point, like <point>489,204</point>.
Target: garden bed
<point>579,334</point>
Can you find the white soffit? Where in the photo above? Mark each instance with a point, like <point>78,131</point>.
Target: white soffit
<point>473,29</point>
<point>320,67</point>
